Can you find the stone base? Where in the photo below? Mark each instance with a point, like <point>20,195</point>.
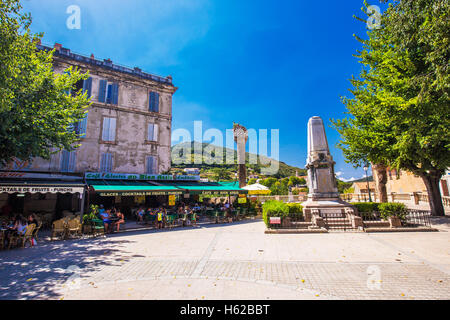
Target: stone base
<point>328,205</point>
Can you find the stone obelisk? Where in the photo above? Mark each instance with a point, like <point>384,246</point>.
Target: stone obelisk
<point>241,136</point>
<point>323,197</point>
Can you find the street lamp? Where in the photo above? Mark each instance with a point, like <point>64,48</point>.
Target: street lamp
<point>366,168</point>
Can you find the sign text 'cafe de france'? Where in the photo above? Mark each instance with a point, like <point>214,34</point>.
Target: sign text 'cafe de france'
<point>125,176</point>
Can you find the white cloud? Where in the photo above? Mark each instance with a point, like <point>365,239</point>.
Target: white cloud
<point>339,173</point>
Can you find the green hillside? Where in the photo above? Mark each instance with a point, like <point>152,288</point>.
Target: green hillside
<point>210,170</point>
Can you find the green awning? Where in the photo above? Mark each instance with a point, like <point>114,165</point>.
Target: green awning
<point>137,189</point>
<point>107,188</point>
<point>212,188</point>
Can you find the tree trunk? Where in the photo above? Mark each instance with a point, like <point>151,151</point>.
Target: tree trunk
<point>380,177</point>
<point>431,181</point>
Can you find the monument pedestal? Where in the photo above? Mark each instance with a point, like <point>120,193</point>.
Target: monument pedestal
<point>323,198</point>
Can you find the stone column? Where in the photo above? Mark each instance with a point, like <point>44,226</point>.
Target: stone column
<point>241,137</point>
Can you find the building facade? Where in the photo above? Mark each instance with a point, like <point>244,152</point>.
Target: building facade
<point>127,128</point>
<point>402,182</point>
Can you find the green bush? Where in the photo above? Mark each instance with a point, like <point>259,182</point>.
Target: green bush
<point>392,210</point>
<point>295,211</point>
<point>366,207</point>
<point>274,208</point>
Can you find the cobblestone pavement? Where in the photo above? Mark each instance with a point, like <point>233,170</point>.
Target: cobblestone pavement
<point>235,261</point>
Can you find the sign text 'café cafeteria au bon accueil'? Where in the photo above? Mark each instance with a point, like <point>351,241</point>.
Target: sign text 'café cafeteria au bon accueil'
<point>126,176</point>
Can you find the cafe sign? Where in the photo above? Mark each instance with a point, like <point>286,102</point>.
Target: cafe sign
<point>133,177</point>
<point>40,189</point>
<point>139,193</point>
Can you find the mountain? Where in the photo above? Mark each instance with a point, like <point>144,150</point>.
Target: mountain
<point>208,169</point>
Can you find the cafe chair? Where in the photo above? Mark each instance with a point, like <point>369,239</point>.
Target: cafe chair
<point>28,236</point>
<point>36,230</point>
<point>74,227</point>
<point>59,229</point>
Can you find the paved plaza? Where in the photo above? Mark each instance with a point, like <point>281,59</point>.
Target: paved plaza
<point>233,261</point>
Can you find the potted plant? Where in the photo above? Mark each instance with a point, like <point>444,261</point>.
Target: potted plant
<point>395,213</point>
<point>88,218</point>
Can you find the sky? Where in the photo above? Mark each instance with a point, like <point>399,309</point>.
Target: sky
<point>263,64</point>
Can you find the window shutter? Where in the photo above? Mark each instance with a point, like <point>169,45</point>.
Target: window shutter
<point>106,162</point>
<point>102,91</point>
<point>150,165</point>
<point>87,86</point>
<point>109,94</point>
<point>112,129</point>
<point>65,161</point>
<point>151,99</point>
<point>150,132</point>
<point>109,162</point>
<point>83,127</point>
<point>105,133</point>
<point>115,94</point>
<point>72,161</point>
<point>155,132</point>
<point>156,108</point>
<point>102,162</point>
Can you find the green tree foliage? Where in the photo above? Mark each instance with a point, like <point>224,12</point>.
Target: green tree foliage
<point>296,181</point>
<point>221,174</point>
<point>400,106</point>
<point>36,112</point>
<point>251,181</point>
<point>342,186</point>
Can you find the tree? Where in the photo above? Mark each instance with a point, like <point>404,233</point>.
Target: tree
<point>296,181</point>
<point>252,181</point>
<point>342,186</point>
<point>221,174</point>
<point>400,109</point>
<point>38,111</point>
<point>269,182</point>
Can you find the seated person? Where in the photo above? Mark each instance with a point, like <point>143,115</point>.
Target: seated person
<point>19,227</point>
<point>121,220</point>
<point>32,220</point>
<point>140,214</point>
<point>105,217</point>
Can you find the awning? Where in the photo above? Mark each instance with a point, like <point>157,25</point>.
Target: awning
<point>131,188</point>
<point>40,186</point>
<point>212,188</point>
<point>109,188</point>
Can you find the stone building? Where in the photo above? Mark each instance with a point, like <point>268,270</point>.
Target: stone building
<point>361,187</point>
<point>127,130</point>
<point>128,126</point>
<point>402,182</point>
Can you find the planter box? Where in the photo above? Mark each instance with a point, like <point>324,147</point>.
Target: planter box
<point>395,222</point>
<point>286,222</point>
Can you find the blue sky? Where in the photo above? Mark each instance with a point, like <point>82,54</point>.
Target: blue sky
<point>265,64</point>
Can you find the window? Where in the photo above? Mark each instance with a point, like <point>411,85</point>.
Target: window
<point>153,102</point>
<point>85,85</point>
<point>108,92</point>
<point>151,165</point>
<point>68,161</point>
<point>81,127</point>
<point>109,129</point>
<point>152,132</point>
<point>106,162</point>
